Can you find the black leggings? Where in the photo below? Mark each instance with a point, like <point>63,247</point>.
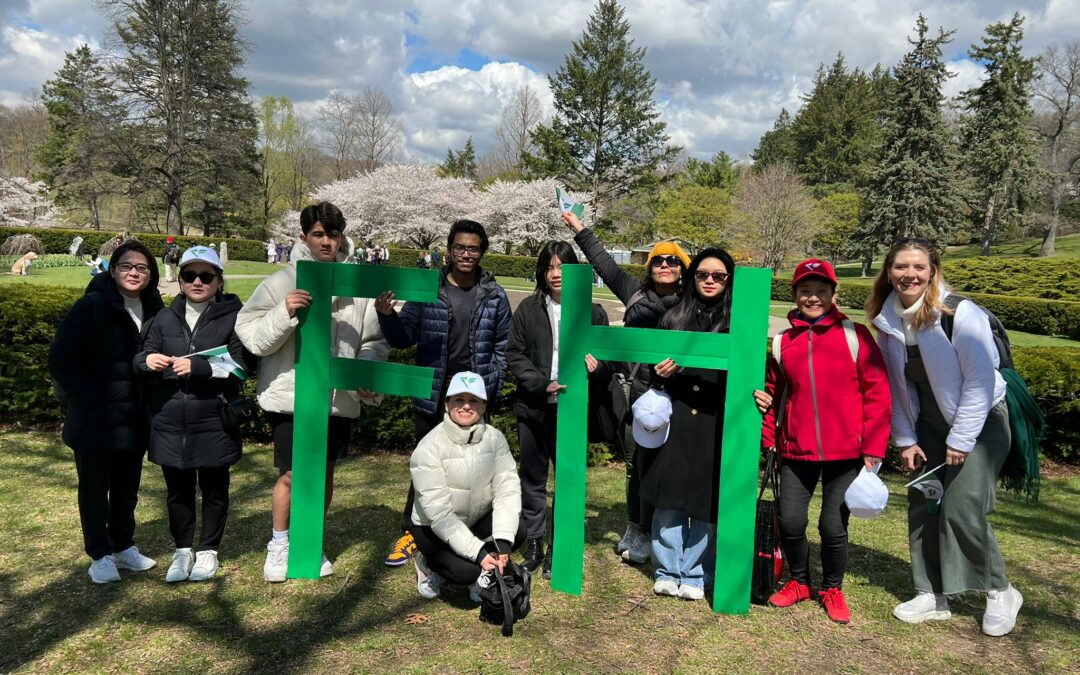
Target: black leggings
<point>108,492</point>
<point>537,442</point>
<point>638,510</point>
<point>797,482</point>
<point>442,560</point>
<point>214,484</point>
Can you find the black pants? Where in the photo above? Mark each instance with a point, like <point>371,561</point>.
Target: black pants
<point>638,510</point>
<point>108,492</point>
<point>537,450</point>
<point>422,424</point>
<point>797,482</point>
<point>213,482</point>
<point>442,560</point>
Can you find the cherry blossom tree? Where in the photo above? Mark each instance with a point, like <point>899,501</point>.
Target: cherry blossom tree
<point>522,214</point>
<point>26,204</point>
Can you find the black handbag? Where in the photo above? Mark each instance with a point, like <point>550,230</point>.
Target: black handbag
<point>237,412</point>
<point>768,557</point>
<point>504,597</point>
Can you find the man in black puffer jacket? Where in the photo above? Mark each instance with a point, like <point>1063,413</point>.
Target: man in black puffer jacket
<point>464,330</point>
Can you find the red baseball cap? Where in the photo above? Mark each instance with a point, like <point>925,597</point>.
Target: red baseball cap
<point>814,267</point>
<point>169,240</point>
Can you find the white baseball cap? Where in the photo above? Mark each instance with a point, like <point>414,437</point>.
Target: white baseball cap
<point>652,419</point>
<point>467,382</point>
<point>867,495</point>
<point>202,254</point>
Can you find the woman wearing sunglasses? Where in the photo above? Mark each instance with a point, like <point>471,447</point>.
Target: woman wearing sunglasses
<point>188,438</point>
<point>645,301</point>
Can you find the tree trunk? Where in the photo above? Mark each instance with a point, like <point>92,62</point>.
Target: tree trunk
<point>94,210</point>
<point>1050,229</point>
<point>174,224</point>
<point>988,219</point>
<point>867,263</point>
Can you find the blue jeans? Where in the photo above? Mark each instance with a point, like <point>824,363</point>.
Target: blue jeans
<point>679,547</point>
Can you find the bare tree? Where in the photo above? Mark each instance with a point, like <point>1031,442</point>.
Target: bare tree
<point>22,131</point>
<point>339,119</point>
<point>513,136</point>
<point>776,217</point>
<point>1057,119</point>
<point>378,131</point>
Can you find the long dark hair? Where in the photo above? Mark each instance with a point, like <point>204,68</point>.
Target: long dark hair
<point>138,247</point>
<point>556,248</point>
<point>682,315</point>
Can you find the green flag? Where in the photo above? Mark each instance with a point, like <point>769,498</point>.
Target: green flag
<point>568,205</point>
<point>931,485</point>
<point>222,363</point>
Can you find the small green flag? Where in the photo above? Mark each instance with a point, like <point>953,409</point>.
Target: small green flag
<point>222,363</point>
<point>930,484</point>
<point>568,205</point>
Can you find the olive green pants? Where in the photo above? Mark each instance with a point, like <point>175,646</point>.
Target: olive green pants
<point>953,550</point>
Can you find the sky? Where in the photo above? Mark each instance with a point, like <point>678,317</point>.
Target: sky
<point>723,68</point>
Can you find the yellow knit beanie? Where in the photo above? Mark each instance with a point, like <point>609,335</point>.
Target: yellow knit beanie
<point>668,248</point>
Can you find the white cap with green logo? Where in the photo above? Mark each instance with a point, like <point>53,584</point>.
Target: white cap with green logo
<point>467,382</point>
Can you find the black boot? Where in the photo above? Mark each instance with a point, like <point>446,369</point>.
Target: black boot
<point>534,554</point>
<point>547,565</point>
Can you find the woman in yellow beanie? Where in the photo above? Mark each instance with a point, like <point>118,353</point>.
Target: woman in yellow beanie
<point>645,300</point>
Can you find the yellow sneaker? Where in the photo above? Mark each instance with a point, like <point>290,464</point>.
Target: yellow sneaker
<point>403,549</point>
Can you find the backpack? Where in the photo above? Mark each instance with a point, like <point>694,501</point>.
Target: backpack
<point>1020,472</point>
<point>172,254</point>
<point>504,597</point>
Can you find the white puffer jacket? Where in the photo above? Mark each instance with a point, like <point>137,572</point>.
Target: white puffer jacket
<point>265,328</point>
<point>459,474</point>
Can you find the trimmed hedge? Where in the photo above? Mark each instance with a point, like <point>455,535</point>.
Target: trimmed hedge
<point>1046,278</point>
<point>519,266</point>
<point>29,315</point>
<point>59,241</point>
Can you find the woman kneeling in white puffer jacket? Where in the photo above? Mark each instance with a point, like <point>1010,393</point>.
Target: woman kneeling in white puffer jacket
<point>467,513</point>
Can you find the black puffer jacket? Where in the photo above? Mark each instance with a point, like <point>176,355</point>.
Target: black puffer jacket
<point>90,360</point>
<point>186,430</point>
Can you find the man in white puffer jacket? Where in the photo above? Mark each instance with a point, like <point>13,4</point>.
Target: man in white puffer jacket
<point>267,325</point>
<point>467,511</point>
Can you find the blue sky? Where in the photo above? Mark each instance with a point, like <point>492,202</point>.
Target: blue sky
<point>724,68</point>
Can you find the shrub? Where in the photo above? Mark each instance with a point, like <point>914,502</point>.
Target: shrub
<point>21,244</point>
<point>58,241</point>
<point>1053,376</point>
<point>519,266</point>
<point>1046,278</point>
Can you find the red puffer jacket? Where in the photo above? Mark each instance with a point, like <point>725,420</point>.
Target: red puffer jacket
<point>835,408</point>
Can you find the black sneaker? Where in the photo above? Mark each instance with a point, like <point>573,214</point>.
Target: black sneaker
<point>547,565</point>
<point>534,554</point>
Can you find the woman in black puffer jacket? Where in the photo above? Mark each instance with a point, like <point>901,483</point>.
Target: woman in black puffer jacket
<point>106,423</point>
<point>187,437</point>
<point>645,301</point>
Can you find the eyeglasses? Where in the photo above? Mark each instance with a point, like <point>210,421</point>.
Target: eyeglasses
<point>126,268</point>
<point>189,277</point>
<point>658,260</point>
<point>718,277</point>
<point>458,249</point>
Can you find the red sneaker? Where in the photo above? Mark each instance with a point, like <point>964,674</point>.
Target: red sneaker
<point>792,592</point>
<point>835,605</point>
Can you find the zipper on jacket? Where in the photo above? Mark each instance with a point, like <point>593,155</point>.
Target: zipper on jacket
<point>813,389</point>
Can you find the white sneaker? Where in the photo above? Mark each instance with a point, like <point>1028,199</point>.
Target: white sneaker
<point>276,567</point>
<point>206,564</point>
<point>103,570</point>
<point>327,567</point>
<point>131,559</point>
<point>640,549</point>
<point>687,592</point>
<point>924,606</point>
<point>1001,610</point>
<point>180,569</point>
<point>666,587</point>
<point>427,582</point>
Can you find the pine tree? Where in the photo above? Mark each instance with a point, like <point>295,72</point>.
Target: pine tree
<point>999,144</point>
<point>77,152</point>
<point>460,164</point>
<point>777,146</point>
<point>913,190</point>
<point>607,137</point>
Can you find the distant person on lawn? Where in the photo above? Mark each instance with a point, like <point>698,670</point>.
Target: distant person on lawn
<point>106,423</point>
<point>267,327</point>
<point>948,408</point>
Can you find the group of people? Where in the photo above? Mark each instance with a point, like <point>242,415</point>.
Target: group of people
<point>429,259</point>
<point>133,380</point>
<point>376,254</point>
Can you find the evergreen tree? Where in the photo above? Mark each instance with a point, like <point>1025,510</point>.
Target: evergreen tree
<point>776,146</point>
<point>718,172</point>
<point>77,152</point>
<point>460,164</point>
<point>1000,148</point>
<point>913,190</point>
<point>607,137</point>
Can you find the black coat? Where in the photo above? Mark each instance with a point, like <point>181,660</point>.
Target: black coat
<point>685,473</point>
<point>91,362</point>
<point>528,355</point>
<point>186,430</point>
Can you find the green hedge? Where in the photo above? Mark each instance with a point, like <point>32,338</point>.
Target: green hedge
<point>59,241</point>
<point>1047,278</point>
<point>519,266</point>
<point>29,315</point>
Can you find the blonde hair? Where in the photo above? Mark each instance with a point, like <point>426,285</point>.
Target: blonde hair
<point>932,305</point>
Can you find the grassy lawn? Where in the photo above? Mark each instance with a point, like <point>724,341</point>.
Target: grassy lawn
<point>54,619</point>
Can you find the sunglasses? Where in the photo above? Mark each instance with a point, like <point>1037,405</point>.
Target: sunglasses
<point>671,260</point>
<point>189,277</point>
<point>718,277</point>
<point>922,241</point>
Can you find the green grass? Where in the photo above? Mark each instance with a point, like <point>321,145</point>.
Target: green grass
<point>53,619</point>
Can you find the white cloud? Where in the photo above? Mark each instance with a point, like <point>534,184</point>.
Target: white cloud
<point>29,56</point>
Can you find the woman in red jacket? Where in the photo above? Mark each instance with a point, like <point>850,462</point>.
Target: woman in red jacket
<point>832,400</point>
